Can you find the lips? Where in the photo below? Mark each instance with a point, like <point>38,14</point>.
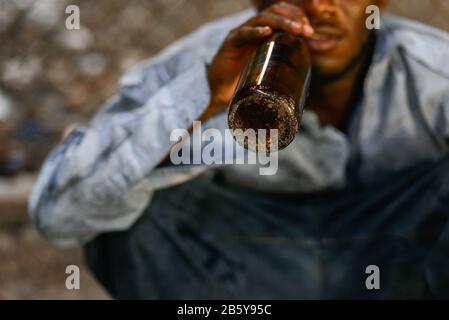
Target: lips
<point>324,40</point>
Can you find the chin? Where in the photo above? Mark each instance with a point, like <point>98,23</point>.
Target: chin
<point>327,67</point>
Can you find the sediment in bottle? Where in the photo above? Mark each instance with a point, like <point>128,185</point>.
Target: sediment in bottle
<point>264,111</point>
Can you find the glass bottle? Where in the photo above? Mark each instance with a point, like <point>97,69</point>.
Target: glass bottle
<point>271,93</point>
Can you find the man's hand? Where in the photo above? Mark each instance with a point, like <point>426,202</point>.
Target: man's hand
<point>224,71</point>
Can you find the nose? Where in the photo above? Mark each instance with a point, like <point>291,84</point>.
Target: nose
<point>321,9</point>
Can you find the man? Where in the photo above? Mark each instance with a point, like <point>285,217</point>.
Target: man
<point>357,209</point>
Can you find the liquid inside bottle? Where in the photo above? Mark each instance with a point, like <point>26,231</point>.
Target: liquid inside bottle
<point>271,93</point>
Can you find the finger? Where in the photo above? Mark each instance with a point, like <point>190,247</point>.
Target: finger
<point>286,9</point>
<point>294,13</point>
<point>278,22</point>
<point>245,35</point>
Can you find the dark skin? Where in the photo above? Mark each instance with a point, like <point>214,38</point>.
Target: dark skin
<point>337,39</point>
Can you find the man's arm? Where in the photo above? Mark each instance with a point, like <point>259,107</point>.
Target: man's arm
<point>99,178</point>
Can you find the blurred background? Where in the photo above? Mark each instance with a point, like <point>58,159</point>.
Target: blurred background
<point>51,77</point>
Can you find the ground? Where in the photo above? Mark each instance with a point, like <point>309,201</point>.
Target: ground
<point>51,78</point>
<point>31,268</point>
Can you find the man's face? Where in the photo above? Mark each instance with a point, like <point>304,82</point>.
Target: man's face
<point>340,31</point>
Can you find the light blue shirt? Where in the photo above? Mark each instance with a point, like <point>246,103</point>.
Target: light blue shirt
<point>103,176</point>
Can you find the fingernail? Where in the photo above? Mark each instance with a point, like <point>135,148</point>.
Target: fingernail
<point>308,29</point>
<point>265,30</point>
<point>297,26</point>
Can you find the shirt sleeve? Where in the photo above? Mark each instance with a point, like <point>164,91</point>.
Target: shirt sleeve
<point>102,177</point>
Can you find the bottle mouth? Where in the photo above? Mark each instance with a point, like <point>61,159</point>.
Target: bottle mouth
<point>264,122</point>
